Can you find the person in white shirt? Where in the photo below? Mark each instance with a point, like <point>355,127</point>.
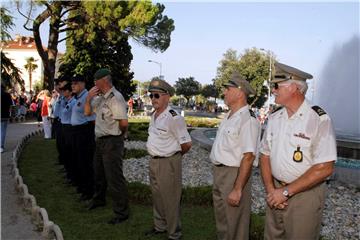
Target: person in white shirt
<point>233,154</point>
<point>298,151</point>
<point>168,140</point>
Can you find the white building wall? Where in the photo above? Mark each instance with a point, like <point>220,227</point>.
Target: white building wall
<point>18,57</point>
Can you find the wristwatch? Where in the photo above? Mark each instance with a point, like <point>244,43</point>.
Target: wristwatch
<point>286,192</point>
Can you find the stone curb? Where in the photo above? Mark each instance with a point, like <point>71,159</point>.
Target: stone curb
<point>39,216</point>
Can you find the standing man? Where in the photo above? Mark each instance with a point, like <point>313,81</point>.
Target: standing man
<point>168,140</point>
<point>232,154</point>
<point>111,126</point>
<point>298,154</point>
<point>6,103</point>
<point>83,140</point>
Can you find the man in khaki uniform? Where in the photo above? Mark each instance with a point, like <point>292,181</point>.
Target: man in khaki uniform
<point>110,126</point>
<point>298,154</point>
<point>168,140</point>
<point>232,154</point>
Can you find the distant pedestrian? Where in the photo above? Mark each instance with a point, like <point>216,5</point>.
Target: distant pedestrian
<point>131,107</point>
<point>45,114</point>
<point>6,103</point>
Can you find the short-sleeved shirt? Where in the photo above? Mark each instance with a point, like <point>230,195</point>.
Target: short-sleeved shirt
<point>236,135</point>
<point>66,110</point>
<point>57,106</point>
<point>77,116</point>
<point>109,109</point>
<point>167,133</point>
<point>307,131</point>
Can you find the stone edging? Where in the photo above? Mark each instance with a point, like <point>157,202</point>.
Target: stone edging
<point>39,216</point>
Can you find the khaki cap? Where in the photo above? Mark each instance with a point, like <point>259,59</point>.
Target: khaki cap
<point>162,86</point>
<point>284,72</point>
<point>238,81</point>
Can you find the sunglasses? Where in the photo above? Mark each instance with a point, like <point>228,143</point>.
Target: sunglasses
<point>156,95</point>
<point>277,85</point>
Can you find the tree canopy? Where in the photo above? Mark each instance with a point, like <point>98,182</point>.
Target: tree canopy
<point>10,74</point>
<point>253,65</point>
<point>187,87</point>
<point>104,24</point>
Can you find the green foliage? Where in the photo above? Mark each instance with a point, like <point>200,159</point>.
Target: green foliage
<point>38,167</point>
<point>6,23</point>
<point>252,65</point>
<point>202,122</point>
<point>187,87</point>
<point>102,39</point>
<point>210,90</point>
<point>10,74</point>
<point>138,131</point>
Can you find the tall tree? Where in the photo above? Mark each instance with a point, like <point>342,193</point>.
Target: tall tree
<point>10,74</point>
<point>102,41</point>
<point>253,65</point>
<point>187,87</point>
<point>210,90</point>
<point>57,14</point>
<point>30,66</point>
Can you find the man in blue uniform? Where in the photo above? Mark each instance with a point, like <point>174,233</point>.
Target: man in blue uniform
<point>83,139</point>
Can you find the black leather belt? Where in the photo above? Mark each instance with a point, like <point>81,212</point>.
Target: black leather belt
<point>156,157</point>
<point>220,165</point>
<point>281,182</point>
<point>109,136</point>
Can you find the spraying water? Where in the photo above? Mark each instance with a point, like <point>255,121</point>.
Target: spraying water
<point>338,89</point>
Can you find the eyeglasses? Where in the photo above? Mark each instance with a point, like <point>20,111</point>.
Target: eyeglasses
<point>277,85</point>
<point>156,95</point>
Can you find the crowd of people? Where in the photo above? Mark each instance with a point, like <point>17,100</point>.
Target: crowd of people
<point>296,153</point>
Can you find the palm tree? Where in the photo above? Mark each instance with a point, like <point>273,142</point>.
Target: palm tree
<point>30,66</point>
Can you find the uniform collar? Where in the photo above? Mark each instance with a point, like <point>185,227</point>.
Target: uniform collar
<point>107,94</point>
<point>300,113</point>
<point>239,111</point>
<point>81,94</point>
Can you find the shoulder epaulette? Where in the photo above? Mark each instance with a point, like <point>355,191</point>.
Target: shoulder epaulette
<point>111,95</point>
<point>276,109</point>
<point>252,113</point>
<point>318,110</point>
<point>173,113</point>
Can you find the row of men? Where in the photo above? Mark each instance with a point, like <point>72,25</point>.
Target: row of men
<point>298,150</point>
<point>297,154</point>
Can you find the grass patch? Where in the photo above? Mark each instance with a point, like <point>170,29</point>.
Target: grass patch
<point>46,181</point>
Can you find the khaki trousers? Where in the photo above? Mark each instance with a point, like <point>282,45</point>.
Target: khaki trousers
<point>232,223</point>
<point>301,219</point>
<point>166,187</point>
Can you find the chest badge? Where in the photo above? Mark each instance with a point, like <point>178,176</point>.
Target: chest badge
<point>298,155</point>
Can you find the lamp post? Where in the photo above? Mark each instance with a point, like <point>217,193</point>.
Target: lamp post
<point>160,65</point>
<point>270,70</point>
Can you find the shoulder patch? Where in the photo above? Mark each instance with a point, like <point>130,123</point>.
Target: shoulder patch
<point>173,113</point>
<point>252,113</point>
<point>318,110</point>
<point>276,109</point>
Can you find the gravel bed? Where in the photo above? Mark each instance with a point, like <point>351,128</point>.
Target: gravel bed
<point>341,218</point>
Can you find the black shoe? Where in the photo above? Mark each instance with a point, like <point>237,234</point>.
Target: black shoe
<point>95,205</point>
<point>117,220</point>
<point>153,232</point>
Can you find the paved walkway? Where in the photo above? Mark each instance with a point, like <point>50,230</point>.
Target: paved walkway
<point>15,223</point>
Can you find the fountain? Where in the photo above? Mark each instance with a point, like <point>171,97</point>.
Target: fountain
<point>337,92</point>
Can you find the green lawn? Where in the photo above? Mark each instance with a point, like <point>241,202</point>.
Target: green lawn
<point>46,182</point>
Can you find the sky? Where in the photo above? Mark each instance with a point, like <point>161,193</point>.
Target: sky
<point>299,34</point>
